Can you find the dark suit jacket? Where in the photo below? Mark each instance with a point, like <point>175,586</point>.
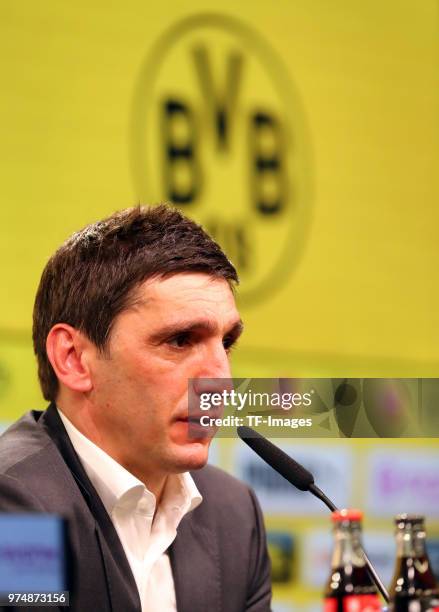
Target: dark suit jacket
<point>219,557</point>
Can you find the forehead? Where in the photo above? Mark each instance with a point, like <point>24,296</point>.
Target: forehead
<point>185,294</point>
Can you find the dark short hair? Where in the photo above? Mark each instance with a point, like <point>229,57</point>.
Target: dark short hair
<point>94,274</point>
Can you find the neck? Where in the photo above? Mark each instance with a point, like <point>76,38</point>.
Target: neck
<point>153,480</point>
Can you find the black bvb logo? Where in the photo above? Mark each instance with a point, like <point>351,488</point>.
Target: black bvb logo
<point>218,129</point>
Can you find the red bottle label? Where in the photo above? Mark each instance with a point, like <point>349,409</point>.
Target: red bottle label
<point>354,603</point>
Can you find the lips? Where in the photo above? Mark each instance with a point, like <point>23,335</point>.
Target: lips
<point>193,428</point>
<point>194,421</point>
<point>194,417</point>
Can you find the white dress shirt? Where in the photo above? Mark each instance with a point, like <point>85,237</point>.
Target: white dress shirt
<point>131,507</point>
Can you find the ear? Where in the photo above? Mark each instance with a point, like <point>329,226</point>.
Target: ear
<point>69,353</point>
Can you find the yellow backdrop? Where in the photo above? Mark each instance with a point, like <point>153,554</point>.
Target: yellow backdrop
<point>304,135</point>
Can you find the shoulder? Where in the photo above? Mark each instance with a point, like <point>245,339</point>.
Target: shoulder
<point>32,470</point>
<point>22,441</point>
<point>225,496</point>
<point>20,446</point>
<point>211,480</point>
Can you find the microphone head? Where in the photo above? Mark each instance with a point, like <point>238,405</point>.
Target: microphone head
<point>295,473</point>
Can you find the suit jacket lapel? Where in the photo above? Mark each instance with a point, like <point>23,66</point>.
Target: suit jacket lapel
<point>196,567</point>
<point>120,580</point>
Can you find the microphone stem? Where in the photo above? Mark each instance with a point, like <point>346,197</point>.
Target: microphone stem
<point>314,489</point>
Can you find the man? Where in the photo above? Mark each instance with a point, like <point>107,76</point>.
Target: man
<point>128,310</point>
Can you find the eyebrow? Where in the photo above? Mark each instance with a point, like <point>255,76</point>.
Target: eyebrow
<point>185,327</point>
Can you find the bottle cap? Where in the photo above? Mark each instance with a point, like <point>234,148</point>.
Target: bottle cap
<point>413,519</point>
<point>347,514</point>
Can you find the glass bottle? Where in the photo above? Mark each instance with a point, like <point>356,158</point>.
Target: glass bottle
<point>349,587</point>
<point>414,586</point>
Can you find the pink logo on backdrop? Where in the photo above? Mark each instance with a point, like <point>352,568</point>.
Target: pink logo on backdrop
<point>400,480</point>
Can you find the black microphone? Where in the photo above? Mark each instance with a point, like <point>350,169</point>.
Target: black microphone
<point>298,476</point>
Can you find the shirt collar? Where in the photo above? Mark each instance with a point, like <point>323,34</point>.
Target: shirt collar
<point>116,486</point>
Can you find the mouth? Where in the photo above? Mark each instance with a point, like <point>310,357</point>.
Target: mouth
<point>194,428</point>
<point>194,417</point>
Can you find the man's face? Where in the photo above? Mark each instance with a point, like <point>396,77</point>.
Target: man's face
<point>181,327</point>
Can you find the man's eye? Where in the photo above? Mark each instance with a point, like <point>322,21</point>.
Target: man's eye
<point>229,343</point>
<point>180,340</point>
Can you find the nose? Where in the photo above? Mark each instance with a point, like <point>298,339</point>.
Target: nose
<point>212,375</point>
<point>214,362</point>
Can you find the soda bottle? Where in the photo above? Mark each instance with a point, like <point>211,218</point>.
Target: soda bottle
<point>414,587</point>
<point>430,604</point>
<point>349,588</point>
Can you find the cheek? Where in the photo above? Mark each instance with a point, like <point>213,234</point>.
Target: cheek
<point>131,371</point>
<point>113,384</point>
<point>152,382</point>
